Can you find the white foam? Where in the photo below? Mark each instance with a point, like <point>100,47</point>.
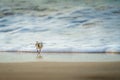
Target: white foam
<point>73,29</point>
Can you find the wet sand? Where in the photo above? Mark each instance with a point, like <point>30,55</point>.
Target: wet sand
<point>60,71</point>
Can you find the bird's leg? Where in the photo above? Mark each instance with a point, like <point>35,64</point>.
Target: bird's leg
<point>37,52</point>
<point>40,50</point>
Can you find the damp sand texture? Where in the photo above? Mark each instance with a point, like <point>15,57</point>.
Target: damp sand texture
<point>60,71</point>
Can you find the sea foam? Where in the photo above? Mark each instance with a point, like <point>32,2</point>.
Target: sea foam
<point>69,28</point>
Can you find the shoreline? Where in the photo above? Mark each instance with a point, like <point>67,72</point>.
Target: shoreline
<point>11,57</point>
<point>15,51</point>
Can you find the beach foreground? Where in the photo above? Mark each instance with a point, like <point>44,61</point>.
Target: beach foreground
<point>60,71</point>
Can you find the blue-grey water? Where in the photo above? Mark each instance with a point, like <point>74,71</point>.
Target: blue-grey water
<point>62,25</point>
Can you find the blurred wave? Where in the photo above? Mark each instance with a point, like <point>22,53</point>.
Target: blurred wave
<point>63,25</point>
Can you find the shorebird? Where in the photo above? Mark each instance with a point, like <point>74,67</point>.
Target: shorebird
<point>38,47</point>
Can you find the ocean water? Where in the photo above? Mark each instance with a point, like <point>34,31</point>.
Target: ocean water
<point>62,25</point>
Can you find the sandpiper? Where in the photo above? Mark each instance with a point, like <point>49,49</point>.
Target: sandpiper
<point>38,47</point>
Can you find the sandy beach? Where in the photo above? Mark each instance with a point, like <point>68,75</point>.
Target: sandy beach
<point>60,71</point>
